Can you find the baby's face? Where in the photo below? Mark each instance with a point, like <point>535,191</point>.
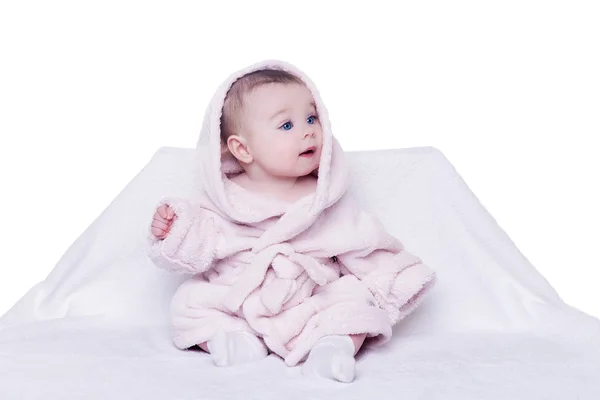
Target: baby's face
<point>283,129</point>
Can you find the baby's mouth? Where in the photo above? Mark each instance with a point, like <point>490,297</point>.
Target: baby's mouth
<point>309,152</point>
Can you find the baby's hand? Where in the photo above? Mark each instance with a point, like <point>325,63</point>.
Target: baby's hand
<point>162,221</point>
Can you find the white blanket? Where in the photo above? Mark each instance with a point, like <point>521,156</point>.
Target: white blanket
<point>492,328</point>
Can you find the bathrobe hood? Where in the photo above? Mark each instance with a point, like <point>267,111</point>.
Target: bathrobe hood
<point>240,206</point>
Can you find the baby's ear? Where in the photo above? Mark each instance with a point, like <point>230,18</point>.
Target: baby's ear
<point>238,147</point>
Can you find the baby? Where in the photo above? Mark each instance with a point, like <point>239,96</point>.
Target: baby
<point>281,259</point>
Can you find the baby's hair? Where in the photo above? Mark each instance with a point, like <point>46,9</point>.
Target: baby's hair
<point>234,100</point>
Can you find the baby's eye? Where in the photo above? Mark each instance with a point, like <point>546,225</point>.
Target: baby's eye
<point>312,119</point>
<point>287,126</point>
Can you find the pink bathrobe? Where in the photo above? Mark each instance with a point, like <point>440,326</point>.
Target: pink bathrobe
<point>290,274</point>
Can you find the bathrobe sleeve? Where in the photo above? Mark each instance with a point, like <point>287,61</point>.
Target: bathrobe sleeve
<point>397,279</point>
<point>190,245</point>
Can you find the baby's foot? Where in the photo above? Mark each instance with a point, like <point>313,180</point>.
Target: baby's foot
<point>235,348</point>
<point>331,357</point>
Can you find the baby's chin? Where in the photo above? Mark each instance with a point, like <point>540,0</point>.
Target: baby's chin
<point>307,171</point>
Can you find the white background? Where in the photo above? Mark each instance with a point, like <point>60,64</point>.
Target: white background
<point>509,91</point>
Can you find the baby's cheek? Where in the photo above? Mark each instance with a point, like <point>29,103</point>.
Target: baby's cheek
<point>282,159</point>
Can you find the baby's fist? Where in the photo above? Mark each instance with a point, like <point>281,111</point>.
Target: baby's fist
<point>162,221</point>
